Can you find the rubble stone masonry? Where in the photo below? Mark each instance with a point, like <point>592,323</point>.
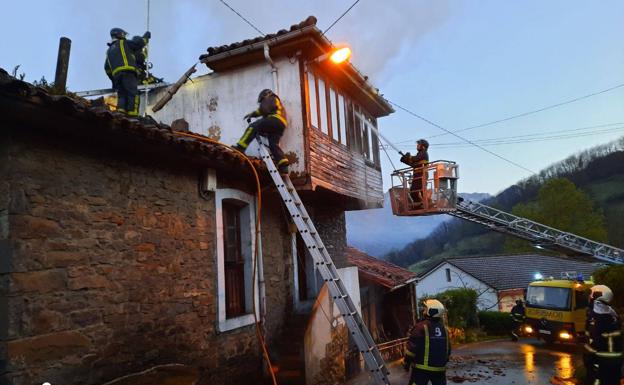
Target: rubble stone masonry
<point>108,267</point>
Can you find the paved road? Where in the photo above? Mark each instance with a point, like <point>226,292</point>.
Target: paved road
<point>503,363</point>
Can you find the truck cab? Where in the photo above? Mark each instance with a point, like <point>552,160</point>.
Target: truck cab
<point>556,309</point>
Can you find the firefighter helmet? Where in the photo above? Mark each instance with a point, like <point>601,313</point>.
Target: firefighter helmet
<point>264,93</point>
<point>601,293</point>
<point>433,308</point>
<point>423,142</point>
<point>118,33</point>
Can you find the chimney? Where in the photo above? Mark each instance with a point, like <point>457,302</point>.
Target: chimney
<point>62,64</point>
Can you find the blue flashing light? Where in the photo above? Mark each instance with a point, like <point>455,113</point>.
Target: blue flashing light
<point>580,278</point>
<point>538,276</point>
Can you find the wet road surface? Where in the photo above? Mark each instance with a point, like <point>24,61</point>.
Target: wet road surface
<point>504,363</point>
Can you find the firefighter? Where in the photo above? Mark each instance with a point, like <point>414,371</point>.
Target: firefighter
<point>517,318</point>
<point>428,347</point>
<point>271,125</point>
<point>122,67</point>
<point>417,162</point>
<point>603,352</point>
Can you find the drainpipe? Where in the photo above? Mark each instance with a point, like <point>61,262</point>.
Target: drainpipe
<point>261,282</point>
<point>267,57</point>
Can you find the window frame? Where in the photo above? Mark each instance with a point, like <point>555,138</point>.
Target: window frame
<point>247,205</point>
<point>448,275</point>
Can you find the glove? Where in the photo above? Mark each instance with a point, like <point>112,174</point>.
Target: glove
<point>248,116</point>
<point>147,35</point>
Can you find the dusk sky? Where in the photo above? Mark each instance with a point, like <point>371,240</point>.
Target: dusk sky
<point>457,63</point>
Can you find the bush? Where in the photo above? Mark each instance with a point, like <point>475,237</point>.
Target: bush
<point>612,276</point>
<point>495,323</point>
<point>461,306</point>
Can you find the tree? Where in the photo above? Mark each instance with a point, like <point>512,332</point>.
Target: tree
<point>561,205</point>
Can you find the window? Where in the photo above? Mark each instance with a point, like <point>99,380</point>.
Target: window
<point>448,275</point>
<point>581,299</point>
<point>342,119</point>
<point>312,94</point>
<point>556,298</point>
<point>333,103</point>
<point>235,253</point>
<point>234,262</point>
<point>323,104</point>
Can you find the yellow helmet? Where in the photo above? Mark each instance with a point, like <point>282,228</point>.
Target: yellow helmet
<point>433,308</point>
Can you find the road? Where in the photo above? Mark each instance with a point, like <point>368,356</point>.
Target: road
<point>504,363</point>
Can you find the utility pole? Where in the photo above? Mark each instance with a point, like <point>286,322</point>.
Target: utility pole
<point>62,65</point>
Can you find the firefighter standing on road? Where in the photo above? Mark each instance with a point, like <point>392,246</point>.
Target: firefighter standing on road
<point>428,347</point>
<point>122,68</point>
<point>603,352</point>
<point>417,162</point>
<point>517,318</point>
<point>271,125</point>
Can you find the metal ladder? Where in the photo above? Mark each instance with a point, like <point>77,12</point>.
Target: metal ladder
<point>374,362</point>
<point>543,236</point>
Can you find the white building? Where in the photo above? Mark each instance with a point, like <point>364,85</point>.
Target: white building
<point>499,280</point>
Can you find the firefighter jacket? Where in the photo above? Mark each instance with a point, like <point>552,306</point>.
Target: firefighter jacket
<point>517,313</point>
<point>417,161</point>
<point>428,346</point>
<point>271,106</point>
<point>604,329</point>
<point>122,55</point>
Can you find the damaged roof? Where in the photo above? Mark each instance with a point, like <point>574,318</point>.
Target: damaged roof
<point>306,40</point>
<point>30,107</point>
<point>381,272</point>
<point>504,272</point>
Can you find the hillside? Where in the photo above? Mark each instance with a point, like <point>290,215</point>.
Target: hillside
<point>597,171</point>
<point>378,232</point>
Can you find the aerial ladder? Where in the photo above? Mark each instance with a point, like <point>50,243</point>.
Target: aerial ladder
<point>375,364</point>
<point>439,196</point>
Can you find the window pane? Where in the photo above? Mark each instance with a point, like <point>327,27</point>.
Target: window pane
<point>370,133</point>
<point>312,96</point>
<point>334,115</point>
<point>343,124</point>
<point>357,129</point>
<point>323,106</point>
<point>234,262</point>
<point>366,148</point>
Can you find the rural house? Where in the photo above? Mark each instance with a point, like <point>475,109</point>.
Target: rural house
<point>125,246</point>
<point>497,284</point>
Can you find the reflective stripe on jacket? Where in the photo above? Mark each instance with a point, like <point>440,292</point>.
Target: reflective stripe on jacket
<point>272,106</point>
<point>604,332</point>
<point>122,55</point>
<point>429,347</point>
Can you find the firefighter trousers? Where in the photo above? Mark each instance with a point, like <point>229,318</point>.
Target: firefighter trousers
<point>126,84</point>
<point>422,377</point>
<point>272,128</point>
<point>602,370</point>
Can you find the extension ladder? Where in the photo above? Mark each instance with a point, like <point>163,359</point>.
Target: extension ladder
<point>299,215</point>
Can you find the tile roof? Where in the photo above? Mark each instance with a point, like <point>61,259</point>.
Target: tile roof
<point>310,21</point>
<point>74,117</point>
<point>384,273</point>
<point>503,272</point>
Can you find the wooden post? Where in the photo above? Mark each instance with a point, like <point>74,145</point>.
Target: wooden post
<point>62,65</point>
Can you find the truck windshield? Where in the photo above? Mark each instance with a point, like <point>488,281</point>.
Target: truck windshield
<point>548,297</point>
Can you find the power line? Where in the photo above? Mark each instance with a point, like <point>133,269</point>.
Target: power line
<point>532,111</point>
<point>243,17</point>
<point>341,16</point>
<point>461,137</point>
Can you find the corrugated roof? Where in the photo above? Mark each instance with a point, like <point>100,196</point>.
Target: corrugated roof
<point>384,273</point>
<point>24,104</point>
<point>503,272</point>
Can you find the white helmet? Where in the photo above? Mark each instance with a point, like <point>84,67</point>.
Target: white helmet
<point>433,308</point>
<point>601,293</point>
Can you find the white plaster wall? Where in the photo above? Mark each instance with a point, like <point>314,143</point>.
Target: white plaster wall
<point>318,332</point>
<point>214,104</point>
<point>436,282</point>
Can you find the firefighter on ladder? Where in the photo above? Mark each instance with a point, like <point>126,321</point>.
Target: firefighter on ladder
<point>418,163</point>
<point>428,347</point>
<point>603,352</point>
<point>122,67</point>
<point>271,125</point>
<point>517,318</point>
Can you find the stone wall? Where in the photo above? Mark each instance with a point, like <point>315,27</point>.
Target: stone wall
<point>330,223</point>
<point>113,269</point>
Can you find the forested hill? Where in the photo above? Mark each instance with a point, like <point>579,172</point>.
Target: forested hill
<point>598,172</point>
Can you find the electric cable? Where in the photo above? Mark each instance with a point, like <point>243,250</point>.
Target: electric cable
<point>256,241</point>
<point>243,17</point>
<point>461,137</point>
<point>341,16</point>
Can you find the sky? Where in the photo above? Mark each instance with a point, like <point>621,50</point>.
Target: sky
<point>457,63</point>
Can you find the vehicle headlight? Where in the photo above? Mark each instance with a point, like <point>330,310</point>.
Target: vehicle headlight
<point>528,329</point>
<point>564,335</point>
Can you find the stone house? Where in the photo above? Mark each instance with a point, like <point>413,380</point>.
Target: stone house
<point>124,246</point>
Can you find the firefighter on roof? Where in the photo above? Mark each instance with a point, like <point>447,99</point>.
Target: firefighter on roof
<point>271,125</point>
<point>417,162</point>
<point>122,67</point>
<point>428,347</point>
<point>603,352</point>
